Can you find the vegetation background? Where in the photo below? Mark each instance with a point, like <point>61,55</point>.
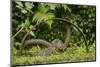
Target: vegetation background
<point>32,18</point>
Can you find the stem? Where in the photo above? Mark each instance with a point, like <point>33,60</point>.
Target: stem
<point>23,40</point>
<point>68,34</point>
<point>17,33</point>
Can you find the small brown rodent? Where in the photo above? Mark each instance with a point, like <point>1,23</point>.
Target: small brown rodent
<point>57,44</point>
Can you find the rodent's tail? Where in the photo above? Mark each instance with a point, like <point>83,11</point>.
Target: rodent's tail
<point>37,41</point>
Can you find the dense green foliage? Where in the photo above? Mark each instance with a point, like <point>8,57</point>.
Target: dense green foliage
<point>35,20</point>
<point>72,54</point>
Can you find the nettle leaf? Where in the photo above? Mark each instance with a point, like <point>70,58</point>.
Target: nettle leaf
<point>27,30</point>
<point>23,24</point>
<point>27,23</point>
<point>24,11</point>
<point>32,33</point>
<point>32,27</point>
<point>19,7</point>
<point>29,5</point>
<point>19,3</point>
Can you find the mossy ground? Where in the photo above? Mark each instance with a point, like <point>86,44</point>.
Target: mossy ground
<point>71,54</point>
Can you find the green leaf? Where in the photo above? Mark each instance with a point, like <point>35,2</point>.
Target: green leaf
<point>44,17</point>
<point>29,5</point>
<point>27,23</point>
<point>24,11</point>
<point>66,8</point>
<point>42,8</point>
<point>52,6</point>
<point>32,27</point>
<point>23,24</point>
<point>27,30</point>
<point>19,3</point>
<point>19,7</point>
<point>17,43</point>
<point>32,34</point>
<point>49,23</point>
<point>14,51</point>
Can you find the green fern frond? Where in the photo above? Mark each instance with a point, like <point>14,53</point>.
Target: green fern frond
<point>40,17</point>
<point>43,15</point>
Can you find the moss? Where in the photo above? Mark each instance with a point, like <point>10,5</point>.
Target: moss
<point>71,54</point>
